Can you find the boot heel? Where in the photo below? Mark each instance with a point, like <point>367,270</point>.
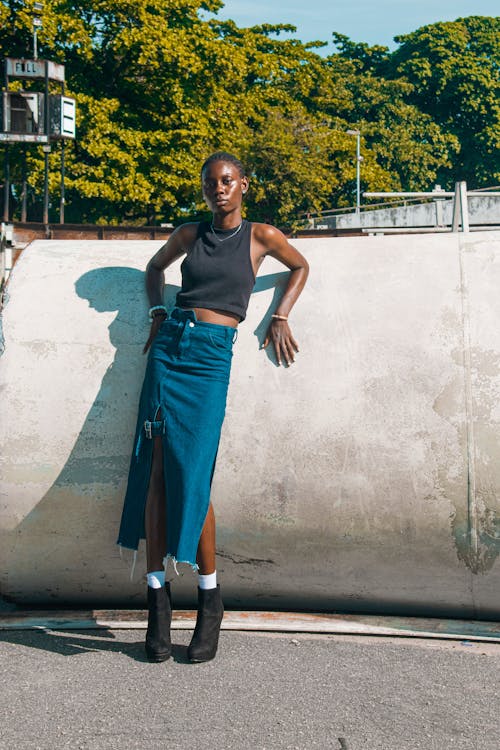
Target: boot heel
<point>205,640</point>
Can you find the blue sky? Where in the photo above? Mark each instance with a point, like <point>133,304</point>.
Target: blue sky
<point>372,21</point>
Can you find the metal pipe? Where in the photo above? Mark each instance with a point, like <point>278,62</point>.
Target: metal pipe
<point>358,167</point>
<point>61,205</point>
<point>6,184</point>
<point>438,194</point>
<point>358,173</point>
<point>46,150</point>
<point>464,207</point>
<point>24,192</point>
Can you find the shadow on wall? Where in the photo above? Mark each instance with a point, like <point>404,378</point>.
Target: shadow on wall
<point>72,530</point>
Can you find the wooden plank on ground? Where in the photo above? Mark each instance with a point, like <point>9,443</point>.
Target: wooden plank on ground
<point>286,622</point>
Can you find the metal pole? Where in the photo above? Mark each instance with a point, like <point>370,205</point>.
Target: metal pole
<point>6,184</point>
<point>35,45</point>
<point>61,207</point>
<point>357,133</point>
<point>358,169</point>
<point>63,172</point>
<point>46,152</point>
<point>464,208</point>
<point>24,194</point>
<point>455,215</point>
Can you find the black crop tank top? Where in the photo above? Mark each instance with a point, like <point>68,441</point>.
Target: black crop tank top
<point>217,272</point>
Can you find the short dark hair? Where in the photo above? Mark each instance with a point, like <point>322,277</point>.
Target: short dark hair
<point>224,156</point>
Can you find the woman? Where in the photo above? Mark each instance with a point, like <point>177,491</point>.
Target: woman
<point>184,394</point>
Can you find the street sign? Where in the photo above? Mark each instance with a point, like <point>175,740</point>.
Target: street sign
<point>55,71</point>
<point>62,114</point>
<point>68,117</point>
<point>25,68</point>
<point>21,68</point>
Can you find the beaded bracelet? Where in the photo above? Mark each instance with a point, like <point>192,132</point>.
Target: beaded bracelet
<point>153,310</point>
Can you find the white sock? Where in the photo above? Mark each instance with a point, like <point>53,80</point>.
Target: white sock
<point>156,579</point>
<point>209,581</point>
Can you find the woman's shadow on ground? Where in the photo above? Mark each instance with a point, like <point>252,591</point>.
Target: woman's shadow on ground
<point>75,642</point>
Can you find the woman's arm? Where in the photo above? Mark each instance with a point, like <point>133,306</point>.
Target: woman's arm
<point>275,243</point>
<point>177,245</point>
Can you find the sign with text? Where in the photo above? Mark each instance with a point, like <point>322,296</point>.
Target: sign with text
<point>20,68</point>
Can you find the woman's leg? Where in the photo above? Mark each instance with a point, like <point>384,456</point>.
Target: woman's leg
<point>155,515</point>
<point>204,642</point>
<point>205,556</point>
<point>158,644</point>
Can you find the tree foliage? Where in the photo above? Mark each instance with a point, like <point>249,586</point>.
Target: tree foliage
<point>159,86</point>
<point>454,69</point>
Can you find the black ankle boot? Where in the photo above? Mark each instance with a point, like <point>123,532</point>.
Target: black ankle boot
<point>204,642</point>
<point>158,645</point>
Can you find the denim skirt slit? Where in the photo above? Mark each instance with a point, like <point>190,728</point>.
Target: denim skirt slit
<point>183,401</point>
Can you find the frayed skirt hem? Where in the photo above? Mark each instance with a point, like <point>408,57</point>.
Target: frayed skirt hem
<point>175,562</point>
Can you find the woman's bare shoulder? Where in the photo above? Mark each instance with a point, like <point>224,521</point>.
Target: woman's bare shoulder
<point>271,241</point>
<point>185,234</point>
<point>267,235</point>
<point>179,243</point>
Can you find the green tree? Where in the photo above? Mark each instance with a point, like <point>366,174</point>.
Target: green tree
<point>453,69</point>
<point>408,144</point>
<point>158,88</point>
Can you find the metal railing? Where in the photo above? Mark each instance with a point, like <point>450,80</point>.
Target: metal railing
<point>459,196</point>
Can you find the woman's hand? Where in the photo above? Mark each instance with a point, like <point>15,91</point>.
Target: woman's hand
<point>267,240</point>
<point>284,344</point>
<point>155,327</point>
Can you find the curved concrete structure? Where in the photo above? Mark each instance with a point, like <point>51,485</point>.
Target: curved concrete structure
<point>365,477</point>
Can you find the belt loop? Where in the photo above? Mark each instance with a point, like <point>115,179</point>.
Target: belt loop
<point>235,336</point>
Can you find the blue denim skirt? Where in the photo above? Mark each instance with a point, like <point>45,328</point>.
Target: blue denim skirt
<point>183,400</point>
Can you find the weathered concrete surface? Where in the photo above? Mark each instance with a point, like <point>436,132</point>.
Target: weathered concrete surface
<point>365,477</point>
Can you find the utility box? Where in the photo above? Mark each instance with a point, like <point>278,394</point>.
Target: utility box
<point>37,117</point>
<point>62,117</point>
<point>23,112</point>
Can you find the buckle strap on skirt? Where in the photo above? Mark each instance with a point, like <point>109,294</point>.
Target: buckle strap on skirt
<point>150,429</point>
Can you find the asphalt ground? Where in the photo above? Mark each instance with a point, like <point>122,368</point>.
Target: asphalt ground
<point>94,690</point>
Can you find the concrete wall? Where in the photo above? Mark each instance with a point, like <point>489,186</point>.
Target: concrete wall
<point>482,211</point>
<point>366,477</point>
